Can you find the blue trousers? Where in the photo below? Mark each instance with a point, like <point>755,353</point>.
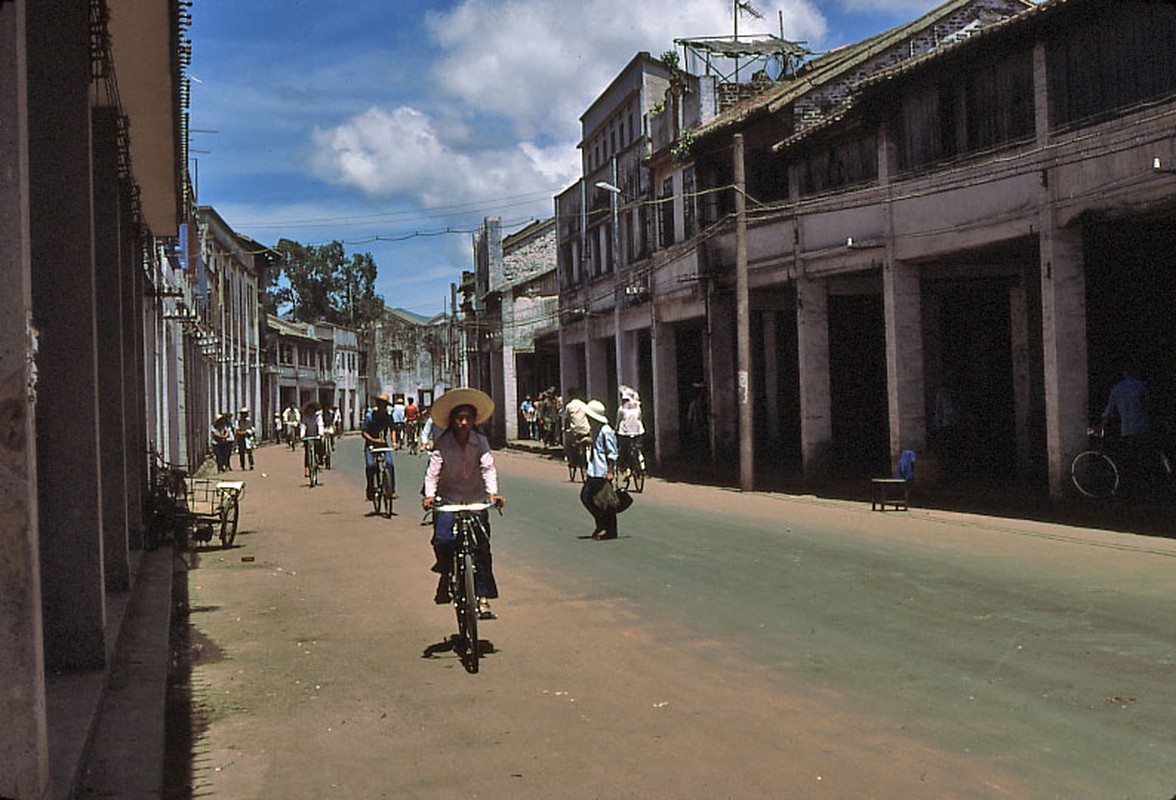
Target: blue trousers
<point>444,542</point>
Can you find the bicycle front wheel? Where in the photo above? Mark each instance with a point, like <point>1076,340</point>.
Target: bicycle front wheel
<point>467,612</point>
<point>386,490</point>
<point>230,513</point>
<point>1095,475</point>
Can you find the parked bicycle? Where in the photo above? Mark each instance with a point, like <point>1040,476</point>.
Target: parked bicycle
<point>1098,475</point>
<point>165,503</point>
<point>382,494</point>
<point>468,534</point>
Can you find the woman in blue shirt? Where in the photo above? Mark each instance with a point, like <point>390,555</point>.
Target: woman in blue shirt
<point>602,464</point>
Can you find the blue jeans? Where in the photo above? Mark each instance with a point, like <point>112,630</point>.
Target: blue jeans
<point>369,459</point>
<point>444,543</point>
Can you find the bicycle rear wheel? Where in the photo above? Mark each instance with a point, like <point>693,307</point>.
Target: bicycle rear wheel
<point>1094,474</point>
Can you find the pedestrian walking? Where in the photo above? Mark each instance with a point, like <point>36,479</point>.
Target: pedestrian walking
<point>222,440</point>
<point>245,437</point>
<point>602,464</point>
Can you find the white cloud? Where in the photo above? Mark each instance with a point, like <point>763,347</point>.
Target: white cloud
<point>542,62</point>
<point>526,66</point>
<point>385,153</point>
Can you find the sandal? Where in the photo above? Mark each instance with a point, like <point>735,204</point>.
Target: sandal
<point>484,611</point>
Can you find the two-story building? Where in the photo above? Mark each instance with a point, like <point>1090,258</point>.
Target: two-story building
<point>976,202</point>
<point>514,304</point>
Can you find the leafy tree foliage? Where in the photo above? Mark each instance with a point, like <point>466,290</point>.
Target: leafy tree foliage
<point>323,284</point>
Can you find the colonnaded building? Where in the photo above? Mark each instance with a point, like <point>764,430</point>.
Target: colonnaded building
<point>976,205</point>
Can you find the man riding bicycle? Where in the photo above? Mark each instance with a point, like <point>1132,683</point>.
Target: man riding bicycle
<point>461,470</point>
<point>375,434</point>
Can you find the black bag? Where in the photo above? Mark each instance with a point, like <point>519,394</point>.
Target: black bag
<point>606,498</point>
<point>624,499</point>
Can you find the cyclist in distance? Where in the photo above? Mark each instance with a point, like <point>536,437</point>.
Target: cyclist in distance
<point>311,424</point>
<point>461,470</point>
<point>375,434</point>
<point>630,428</point>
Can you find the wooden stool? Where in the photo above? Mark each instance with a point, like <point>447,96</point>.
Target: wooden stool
<point>889,492</point>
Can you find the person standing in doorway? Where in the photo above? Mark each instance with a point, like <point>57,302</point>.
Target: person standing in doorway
<point>1128,402</point>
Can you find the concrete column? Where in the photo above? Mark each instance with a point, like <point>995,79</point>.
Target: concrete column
<point>24,751</point>
<point>904,359</point>
<point>496,360</point>
<point>134,380</point>
<point>1063,306</point>
<point>572,370</point>
<point>665,392</point>
<point>510,376</point>
<point>596,351</point>
<point>723,388</point>
<point>111,386</point>
<point>64,291</point>
<point>771,380</point>
<point>816,419</point>
<point>1022,377</point>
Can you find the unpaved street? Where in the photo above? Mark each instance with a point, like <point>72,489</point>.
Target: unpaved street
<point>727,645</point>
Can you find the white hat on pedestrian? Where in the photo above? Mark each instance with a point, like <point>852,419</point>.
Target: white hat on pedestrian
<point>596,410</point>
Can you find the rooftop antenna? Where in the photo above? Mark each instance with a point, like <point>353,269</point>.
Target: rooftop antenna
<point>743,7</point>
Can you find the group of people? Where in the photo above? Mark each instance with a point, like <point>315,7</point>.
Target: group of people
<point>229,434</point>
<point>539,419</point>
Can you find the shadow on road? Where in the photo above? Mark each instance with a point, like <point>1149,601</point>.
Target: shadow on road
<point>454,644</point>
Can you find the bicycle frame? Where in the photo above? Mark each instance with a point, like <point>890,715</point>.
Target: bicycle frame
<point>383,488</point>
<point>467,526</point>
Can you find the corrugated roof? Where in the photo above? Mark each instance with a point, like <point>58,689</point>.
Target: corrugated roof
<point>286,327</point>
<point>830,65</point>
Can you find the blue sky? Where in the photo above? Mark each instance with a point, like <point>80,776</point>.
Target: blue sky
<point>402,120</point>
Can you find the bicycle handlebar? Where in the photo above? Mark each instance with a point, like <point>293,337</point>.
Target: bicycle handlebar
<point>455,508</point>
<point>380,449</point>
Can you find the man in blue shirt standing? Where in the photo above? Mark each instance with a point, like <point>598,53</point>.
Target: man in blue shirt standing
<point>1128,402</point>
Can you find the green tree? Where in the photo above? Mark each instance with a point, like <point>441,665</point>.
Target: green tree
<point>323,284</point>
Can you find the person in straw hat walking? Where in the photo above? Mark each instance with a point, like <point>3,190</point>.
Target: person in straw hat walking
<point>602,465</point>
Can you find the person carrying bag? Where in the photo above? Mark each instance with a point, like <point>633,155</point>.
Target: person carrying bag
<point>598,495</point>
